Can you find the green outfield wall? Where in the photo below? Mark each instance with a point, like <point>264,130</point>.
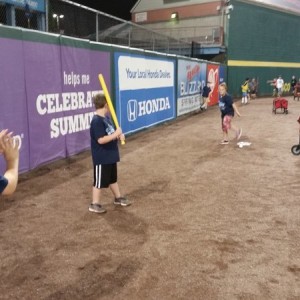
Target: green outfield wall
<point>262,43</point>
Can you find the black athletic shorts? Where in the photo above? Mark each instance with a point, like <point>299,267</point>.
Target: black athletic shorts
<point>105,175</point>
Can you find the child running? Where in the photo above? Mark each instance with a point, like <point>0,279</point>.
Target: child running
<point>227,108</point>
<point>105,155</point>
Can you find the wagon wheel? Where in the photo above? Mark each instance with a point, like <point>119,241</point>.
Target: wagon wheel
<point>296,149</point>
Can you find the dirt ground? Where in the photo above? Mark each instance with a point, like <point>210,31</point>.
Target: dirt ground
<point>208,221</point>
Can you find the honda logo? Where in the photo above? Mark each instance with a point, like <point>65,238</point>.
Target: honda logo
<point>132,110</point>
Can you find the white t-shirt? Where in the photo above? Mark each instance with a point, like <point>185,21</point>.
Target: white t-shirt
<point>279,83</point>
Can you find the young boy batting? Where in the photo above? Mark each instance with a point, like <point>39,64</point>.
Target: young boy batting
<point>105,155</point>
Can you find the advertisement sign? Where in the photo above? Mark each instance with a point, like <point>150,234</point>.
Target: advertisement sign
<point>213,78</point>
<point>13,113</point>
<point>43,87</point>
<point>189,86</point>
<point>60,87</point>
<point>80,69</point>
<point>145,91</point>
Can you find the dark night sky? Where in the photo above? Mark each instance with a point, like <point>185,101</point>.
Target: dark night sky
<point>117,8</point>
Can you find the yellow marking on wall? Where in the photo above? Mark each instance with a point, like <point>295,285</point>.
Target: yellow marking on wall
<point>272,64</point>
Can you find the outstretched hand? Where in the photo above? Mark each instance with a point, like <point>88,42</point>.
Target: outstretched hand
<point>4,137</point>
<point>9,146</point>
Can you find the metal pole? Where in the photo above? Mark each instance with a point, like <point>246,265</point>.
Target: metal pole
<point>129,37</point>
<point>97,28</point>
<point>168,41</point>
<point>46,15</point>
<point>153,42</point>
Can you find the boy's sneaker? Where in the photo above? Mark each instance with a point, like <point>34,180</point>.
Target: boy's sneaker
<point>122,201</point>
<point>239,134</point>
<point>97,208</point>
<point>224,142</point>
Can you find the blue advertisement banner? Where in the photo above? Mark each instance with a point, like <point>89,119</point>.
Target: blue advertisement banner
<point>145,91</point>
<point>138,112</point>
<point>36,5</point>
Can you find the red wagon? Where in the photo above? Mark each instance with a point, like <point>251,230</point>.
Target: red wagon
<point>280,103</point>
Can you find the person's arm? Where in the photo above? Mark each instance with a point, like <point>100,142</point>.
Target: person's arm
<point>236,109</point>
<point>109,138</point>
<point>10,150</point>
<point>4,135</point>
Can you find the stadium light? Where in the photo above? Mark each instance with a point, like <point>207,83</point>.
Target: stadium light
<point>57,17</point>
<point>174,16</point>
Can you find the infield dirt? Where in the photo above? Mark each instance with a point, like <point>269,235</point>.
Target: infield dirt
<point>208,221</point>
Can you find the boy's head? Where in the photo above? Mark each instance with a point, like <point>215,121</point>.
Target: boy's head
<point>223,88</point>
<point>99,101</point>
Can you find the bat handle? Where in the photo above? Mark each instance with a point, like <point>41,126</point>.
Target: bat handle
<point>122,139</point>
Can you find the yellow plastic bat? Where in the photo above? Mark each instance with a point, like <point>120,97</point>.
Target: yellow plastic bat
<point>109,103</point>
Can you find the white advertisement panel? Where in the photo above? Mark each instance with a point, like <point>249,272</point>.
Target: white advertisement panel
<point>145,91</point>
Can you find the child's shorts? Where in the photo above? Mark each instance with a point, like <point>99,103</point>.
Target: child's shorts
<point>245,94</point>
<point>105,175</point>
<point>226,123</point>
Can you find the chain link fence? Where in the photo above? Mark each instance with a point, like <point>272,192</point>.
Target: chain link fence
<point>21,17</point>
<point>75,20</point>
<point>2,14</point>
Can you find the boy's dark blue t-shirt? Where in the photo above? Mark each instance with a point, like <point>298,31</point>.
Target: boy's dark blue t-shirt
<point>107,153</point>
<point>3,183</point>
<point>225,105</point>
